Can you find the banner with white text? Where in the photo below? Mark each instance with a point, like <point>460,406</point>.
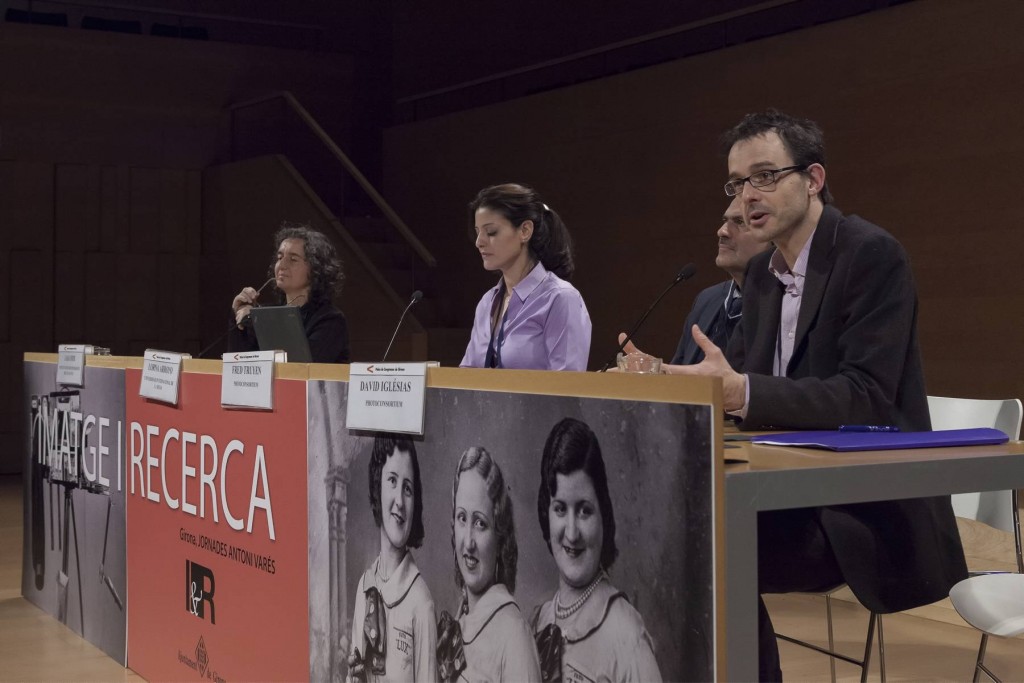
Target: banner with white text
<point>217,535</point>
<point>73,562</point>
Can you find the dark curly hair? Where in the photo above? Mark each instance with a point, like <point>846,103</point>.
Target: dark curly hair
<point>325,271</point>
<point>571,447</point>
<point>477,458</point>
<point>550,242</point>
<point>384,446</point>
<point>802,138</point>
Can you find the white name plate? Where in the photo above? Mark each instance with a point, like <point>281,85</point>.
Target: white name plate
<point>247,379</point>
<point>71,364</point>
<point>387,397</point>
<point>161,375</point>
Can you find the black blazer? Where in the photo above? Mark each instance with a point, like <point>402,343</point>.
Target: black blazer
<point>855,361</point>
<point>707,308</point>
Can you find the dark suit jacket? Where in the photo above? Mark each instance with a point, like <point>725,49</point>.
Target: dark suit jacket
<point>855,361</point>
<point>707,308</point>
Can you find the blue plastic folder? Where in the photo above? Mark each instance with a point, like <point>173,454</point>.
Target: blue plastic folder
<point>883,441</point>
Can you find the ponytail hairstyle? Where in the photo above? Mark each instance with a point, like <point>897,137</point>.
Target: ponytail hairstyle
<point>550,242</point>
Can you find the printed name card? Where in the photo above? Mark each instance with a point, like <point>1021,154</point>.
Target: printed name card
<point>71,364</point>
<point>247,379</point>
<point>387,397</point>
<point>161,375</point>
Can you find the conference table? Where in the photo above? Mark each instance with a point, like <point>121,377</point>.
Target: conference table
<point>687,491</point>
<point>760,478</point>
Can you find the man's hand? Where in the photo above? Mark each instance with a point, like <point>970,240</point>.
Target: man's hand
<point>629,347</point>
<point>734,385</point>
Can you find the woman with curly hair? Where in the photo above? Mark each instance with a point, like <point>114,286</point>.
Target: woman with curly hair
<point>307,273</point>
<point>494,635</point>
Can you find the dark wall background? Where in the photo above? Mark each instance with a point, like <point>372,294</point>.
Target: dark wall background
<point>105,139</point>
<point>919,109</point>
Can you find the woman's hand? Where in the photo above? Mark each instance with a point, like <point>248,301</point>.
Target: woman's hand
<point>242,304</point>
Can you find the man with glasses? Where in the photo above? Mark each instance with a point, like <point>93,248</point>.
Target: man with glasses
<point>717,309</point>
<point>828,337</point>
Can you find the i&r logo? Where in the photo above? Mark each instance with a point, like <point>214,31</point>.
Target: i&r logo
<point>199,589</point>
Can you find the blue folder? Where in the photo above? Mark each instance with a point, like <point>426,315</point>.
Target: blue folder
<point>884,441</point>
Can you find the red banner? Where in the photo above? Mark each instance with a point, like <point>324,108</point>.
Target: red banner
<point>217,535</point>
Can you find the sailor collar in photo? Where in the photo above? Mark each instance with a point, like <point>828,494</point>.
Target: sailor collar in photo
<point>587,619</point>
<point>394,590</point>
<point>490,603</point>
<point>379,598</point>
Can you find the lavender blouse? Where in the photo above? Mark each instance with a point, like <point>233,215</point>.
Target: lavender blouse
<point>546,326</point>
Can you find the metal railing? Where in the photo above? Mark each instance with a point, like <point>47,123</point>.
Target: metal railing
<point>347,164</point>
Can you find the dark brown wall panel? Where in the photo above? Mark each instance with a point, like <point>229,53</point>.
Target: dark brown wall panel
<point>922,128</point>
<point>69,300</point>
<point>77,208</point>
<point>147,211</point>
<point>138,297</point>
<point>101,304</point>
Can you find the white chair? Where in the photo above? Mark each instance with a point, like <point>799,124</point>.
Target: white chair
<point>992,602</point>
<point>993,507</point>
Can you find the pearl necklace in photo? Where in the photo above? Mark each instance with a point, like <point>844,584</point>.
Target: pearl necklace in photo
<point>564,612</point>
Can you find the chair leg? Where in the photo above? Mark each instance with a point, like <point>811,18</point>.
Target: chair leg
<point>881,649</point>
<point>831,639</point>
<point>981,657</point>
<point>867,648</point>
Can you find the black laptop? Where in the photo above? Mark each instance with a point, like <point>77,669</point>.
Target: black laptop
<point>279,328</point>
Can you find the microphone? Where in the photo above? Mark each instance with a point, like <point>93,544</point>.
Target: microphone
<point>246,321</point>
<point>685,273</point>
<point>416,296</point>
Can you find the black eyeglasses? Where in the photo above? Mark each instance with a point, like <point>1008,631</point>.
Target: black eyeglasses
<point>765,178</point>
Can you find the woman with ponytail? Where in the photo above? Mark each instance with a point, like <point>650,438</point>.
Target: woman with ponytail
<point>532,319</point>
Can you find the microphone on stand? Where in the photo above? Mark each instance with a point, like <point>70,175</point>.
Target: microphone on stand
<point>685,273</point>
<point>246,322</point>
<point>416,296</point>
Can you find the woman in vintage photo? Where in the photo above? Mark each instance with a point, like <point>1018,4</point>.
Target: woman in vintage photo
<point>588,630</point>
<point>495,638</point>
<point>532,318</point>
<point>394,634</point>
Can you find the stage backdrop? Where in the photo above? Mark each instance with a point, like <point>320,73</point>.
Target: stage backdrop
<point>217,533</point>
<point>73,564</point>
<point>660,471</point>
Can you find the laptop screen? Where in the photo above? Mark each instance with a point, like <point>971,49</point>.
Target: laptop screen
<point>280,328</point>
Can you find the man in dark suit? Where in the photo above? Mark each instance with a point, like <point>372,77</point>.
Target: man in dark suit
<point>718,309</point>
<point>828,337</point>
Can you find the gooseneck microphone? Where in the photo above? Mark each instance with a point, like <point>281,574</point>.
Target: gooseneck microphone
<point>416,296</point>
<point>246,321</point>
<point>685,273</point>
